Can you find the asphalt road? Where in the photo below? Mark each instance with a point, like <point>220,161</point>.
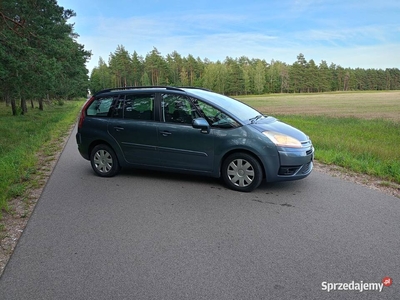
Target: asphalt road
<point>146,235</point>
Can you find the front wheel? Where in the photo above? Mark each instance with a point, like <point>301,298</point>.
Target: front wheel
<point>104,161</point>
<point>242,172</point>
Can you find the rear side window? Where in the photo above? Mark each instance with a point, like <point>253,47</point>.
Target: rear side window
<point>100,107</point>
<point>135,106</point>
<point>139,107</point>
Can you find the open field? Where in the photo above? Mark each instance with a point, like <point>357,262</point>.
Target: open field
<point>358,131</point>
<point>366,105</point>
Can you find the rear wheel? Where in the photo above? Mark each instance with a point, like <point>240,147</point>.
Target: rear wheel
<point>104,161</point>
<point>242,172</point>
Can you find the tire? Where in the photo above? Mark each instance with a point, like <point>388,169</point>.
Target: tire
<point>104,161</point>
<point>241,172</point>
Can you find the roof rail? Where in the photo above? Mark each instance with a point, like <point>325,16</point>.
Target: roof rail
<point>139,87</point>
<point>194,87</point>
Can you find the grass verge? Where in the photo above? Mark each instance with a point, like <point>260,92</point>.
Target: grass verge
<point>364,146</point>
<point>22,137</point>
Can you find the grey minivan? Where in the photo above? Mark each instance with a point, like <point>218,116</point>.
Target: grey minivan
<point>190,130</point>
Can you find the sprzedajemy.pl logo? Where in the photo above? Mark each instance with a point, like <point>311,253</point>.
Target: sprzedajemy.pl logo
<point>356,286</point>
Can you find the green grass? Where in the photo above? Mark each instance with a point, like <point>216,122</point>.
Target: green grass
<point>23,137</point>
<point>364,146</point>
<point>358,131</point>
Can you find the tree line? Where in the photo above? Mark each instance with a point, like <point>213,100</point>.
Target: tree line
<point>39,56</point>
<point>41,59</point>
<point>236,76</point>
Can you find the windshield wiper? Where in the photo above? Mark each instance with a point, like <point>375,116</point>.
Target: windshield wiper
<point>255,119</point>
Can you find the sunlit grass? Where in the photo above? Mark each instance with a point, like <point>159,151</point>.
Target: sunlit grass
<point>365,146</point>
<point>22,137</point>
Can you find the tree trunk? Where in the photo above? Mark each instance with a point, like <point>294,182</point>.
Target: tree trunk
<point>32,105</point>
<point>41,104</point>
<point>7,97</point>
<point>24,108</point>
<point>13,107</point>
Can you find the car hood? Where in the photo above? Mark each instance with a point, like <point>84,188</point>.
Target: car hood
<point>272,124</point>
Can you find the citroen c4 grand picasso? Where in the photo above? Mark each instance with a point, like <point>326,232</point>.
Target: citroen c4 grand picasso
<point>190,130</point>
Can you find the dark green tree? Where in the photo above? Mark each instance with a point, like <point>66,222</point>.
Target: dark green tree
<point>192,68</point>
<point>121,67</point>
<point>175,66</point>
<point>297,75</point>
<point>137,69</point>
<point>235,80</point>
<point>259,76</point>
<point>324,77</point>
<point>215,75</point>
<point>156,68</point>
<point>101,77</point>
<point>39,56</point>
<point>312,77</point>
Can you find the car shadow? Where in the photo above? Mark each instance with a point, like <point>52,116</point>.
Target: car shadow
<point>265,187</point>
<point>168,175</point>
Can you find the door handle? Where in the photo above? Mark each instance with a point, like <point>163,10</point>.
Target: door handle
<point>117,128</point>
<point>165,133</point>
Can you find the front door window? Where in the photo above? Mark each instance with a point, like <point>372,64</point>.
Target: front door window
<point>177,109</point>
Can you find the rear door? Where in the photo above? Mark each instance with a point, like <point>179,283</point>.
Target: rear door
<point>180,145</point>
<point>134,128</point>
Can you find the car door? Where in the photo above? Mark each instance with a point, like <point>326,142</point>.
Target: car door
<point>134,128</point>
<point>181,146</point>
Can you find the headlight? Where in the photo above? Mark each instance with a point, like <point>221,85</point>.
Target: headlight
<point>283,140</point>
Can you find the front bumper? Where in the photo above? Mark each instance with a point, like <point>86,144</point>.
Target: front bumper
<point>295,163</point>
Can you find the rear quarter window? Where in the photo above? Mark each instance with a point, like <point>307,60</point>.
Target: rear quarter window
<point>99,107</point>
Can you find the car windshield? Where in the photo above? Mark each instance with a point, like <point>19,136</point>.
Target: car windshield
<point>232,106</point>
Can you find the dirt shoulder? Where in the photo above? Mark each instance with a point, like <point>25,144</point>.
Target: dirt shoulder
<point>371,182</point>
<point>20,209</point>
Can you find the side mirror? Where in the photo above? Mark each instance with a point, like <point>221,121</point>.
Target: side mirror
<point>202,124</point>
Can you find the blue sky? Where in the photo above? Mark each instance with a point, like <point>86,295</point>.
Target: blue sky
<point>352,33</point>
